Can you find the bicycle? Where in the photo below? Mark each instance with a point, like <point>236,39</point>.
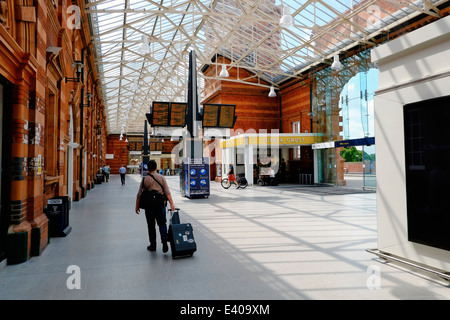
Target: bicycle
<point>242,183</point>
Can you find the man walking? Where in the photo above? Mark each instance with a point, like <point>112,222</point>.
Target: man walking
<point>157,182</point>
<point>122,172</point>
<point>105,173</point>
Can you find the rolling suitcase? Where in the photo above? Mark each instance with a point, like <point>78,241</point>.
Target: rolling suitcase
<point>181,237</point>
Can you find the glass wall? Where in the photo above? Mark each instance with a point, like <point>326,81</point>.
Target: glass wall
<point>342,109</point>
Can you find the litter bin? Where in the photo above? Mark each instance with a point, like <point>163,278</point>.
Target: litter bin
<point>58,216</point>
<point>99,179</point>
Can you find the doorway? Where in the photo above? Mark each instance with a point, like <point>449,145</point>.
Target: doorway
<point>6,89</point>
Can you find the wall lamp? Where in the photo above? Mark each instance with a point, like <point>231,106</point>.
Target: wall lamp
<point>99,128</point>
<point>89,98</point>
<point>79,65</point>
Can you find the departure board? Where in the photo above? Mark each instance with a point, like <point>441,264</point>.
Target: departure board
<point>210,115</point>
<point>178,114</point>
<point>155,146</point>
<point>160,114</point>
<point>226,119</point>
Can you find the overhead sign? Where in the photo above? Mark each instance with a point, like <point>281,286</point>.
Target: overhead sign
<point>210,115</point>
<point>167,114</point>
<point>355,142</point>
<point>272,140</point>
<point>323,145</point>
<point>283,140</point>
<point>155,146</point>
<point>218,115</point>
<point>160,113</point>
<point>226,119</point>
<point>178,114</point>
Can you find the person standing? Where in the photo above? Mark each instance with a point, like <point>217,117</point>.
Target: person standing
<point>105,173</point>
<point>122,172</point>
<point>157,182</point>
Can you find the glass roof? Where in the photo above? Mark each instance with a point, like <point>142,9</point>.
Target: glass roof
<point>142,46</point>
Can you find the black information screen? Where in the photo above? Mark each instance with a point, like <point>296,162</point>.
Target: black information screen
<point>155,146</point>
<point>218,115</point>
<point>427,157</point>
<point>226,119</point>
<point>160,113</point>
<point>210,115</point>
<point>169,114</point>
<point>178,114</point>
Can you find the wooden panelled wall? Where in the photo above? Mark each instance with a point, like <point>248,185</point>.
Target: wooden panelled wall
<point>120,150</point>
<point>295,106</point>
<point>255,110</point>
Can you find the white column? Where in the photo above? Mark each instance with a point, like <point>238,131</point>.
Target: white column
<point>248,159</point>
<point>316,166</point>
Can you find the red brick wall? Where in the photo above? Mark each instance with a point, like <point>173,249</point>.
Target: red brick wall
<point>35,76</point>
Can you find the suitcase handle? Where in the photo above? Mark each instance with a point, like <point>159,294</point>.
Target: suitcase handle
<point>175,216</point>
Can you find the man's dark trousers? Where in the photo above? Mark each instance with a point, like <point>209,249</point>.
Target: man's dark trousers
<point>122,178</point>
<point>158,215</point>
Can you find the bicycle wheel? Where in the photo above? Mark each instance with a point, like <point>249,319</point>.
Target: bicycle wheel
<point>244,184</point>
<point>224,183</point>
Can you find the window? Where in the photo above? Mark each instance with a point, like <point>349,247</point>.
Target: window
<point>427,150</point>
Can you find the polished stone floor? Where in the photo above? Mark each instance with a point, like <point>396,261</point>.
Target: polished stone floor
<point>285,242</point>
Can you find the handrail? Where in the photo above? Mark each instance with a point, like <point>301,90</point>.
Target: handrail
<point>445,276</point>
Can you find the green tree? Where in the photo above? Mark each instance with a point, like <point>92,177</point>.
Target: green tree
<point>351,154</point>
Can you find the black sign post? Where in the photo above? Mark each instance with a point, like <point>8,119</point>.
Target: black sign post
<point>145,152</point>
<point>178,114</point>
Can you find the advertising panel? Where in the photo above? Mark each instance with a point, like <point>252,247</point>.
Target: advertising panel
<point>197,177</point>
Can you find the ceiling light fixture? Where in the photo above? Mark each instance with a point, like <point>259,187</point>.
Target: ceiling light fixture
<point>145,48</point>
<point>135,85</point>
<point>286,20</point>
<point>224,73</point>
<point>337,65</point>
<point>272,92</point>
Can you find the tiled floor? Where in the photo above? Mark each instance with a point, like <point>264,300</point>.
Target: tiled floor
<point>285,242</point>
